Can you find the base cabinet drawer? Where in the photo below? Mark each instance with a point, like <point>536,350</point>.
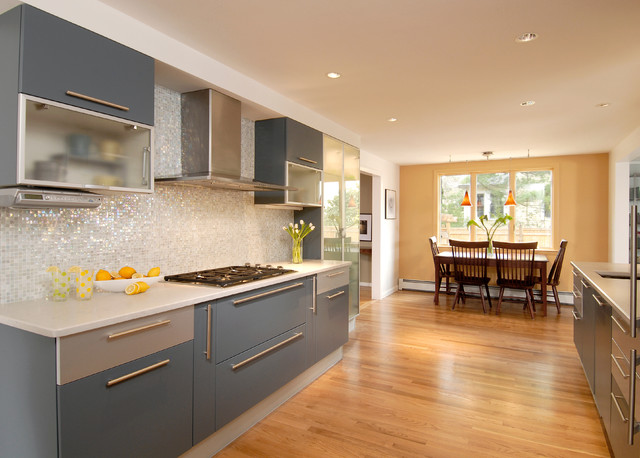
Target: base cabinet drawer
<point>246,320</point>
<point>147,414</point>
<point>332,321</point>
<point>246,379</point>
<point>618,434</point>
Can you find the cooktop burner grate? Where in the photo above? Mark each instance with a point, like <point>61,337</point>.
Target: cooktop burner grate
<point>229,276</point>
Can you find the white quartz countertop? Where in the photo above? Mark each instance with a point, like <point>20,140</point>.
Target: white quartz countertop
<point>614,290</point>
<point>58,319</point>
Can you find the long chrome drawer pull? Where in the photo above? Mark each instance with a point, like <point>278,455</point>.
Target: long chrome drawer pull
<point>140,329</point>
<point>335,274</point>
<point>575,294</point>
<point>584,284</point>
<point>598,301</point>
<point>632,386</point>
<point>100,101</point>
<point>575,274</point>
<point>314,299</point>
<point>339,293</point>
<point>267,293</point>
<point>268,350</point>
<point>619,325</point>
<point>208,351</point>
<point>575,317</point>
<point>311,161</point>
<point>615,398</point>
<point>615,360</point>
<point>124,378</point>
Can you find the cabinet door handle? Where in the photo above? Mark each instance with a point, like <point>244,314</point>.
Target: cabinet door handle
<point>124,378</point>
<point>584,284</point>
<point>208,350</point>
<point>619,325</point>
<point>95,100</point>
<point>576,294</point>
<point>615,360</point>
<point>575,316</point>
<point>310,161</point>
<point>268,350</point>
<point>595,298</point>
<point>575,274</point>
<point>136,330</point>
<point>146,156</point>
<point>615,398</point>
<point>632,391</point>
<point>314,304</point>
<point>335,274</point>
<point>267,293</point>
<point>339,293</point>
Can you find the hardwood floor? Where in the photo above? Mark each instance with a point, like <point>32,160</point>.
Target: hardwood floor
<point>421,380</point>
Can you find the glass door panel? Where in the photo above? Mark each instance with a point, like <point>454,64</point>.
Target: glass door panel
<point>333,206</point>
<point>352,224</point>
<point>73,148</point>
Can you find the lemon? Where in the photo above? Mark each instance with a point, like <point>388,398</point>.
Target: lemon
<point>127,272</point>
<point>137,275</point>
<point>74,269</point>
<point>53,269</point>
<point>154,272</point>
<point>133,288</point>
<point>115,274</point>
<point>142,285</point>
<point>102,275</point>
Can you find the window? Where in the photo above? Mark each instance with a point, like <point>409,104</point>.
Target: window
<point>488,192</point>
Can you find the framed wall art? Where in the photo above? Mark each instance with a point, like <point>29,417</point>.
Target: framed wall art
<point>390,204</point>
<point>365,227</point>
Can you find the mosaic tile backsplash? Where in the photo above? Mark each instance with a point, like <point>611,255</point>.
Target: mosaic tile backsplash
<point>176,228</point>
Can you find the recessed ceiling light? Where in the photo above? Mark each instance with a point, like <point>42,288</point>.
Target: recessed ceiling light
<point>527,103</point>
<point>333,75</point>
<point>603,105</point>
<point>392,119</point>
<point>526,37</point>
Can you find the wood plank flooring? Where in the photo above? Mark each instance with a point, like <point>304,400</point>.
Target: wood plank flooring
<point>419,380</point>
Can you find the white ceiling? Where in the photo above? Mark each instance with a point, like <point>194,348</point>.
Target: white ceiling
<point>449,70</point>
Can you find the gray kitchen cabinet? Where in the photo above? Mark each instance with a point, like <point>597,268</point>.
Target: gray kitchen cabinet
<point>148,414</point>
<point>260,344</point>
<point>589,330</point>
<point>249,377</point>
<point>204,372</point>
<point>328,319</point>
<point>619,426</point>
<point>27,394</point>
<point>288,153</point>
<point>63,62</point>
<point>578,323</point>
<point>602,358</point>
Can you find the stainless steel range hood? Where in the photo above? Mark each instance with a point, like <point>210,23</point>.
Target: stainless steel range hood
<point>211,152</point>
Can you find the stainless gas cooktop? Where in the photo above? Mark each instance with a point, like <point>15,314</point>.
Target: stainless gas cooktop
<point>229,276</point>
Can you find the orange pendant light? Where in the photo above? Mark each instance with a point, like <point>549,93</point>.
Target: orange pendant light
<point>466,202</point>
<point>510,200</point>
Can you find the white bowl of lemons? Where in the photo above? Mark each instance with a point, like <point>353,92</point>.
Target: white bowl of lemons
<point>126,280</point>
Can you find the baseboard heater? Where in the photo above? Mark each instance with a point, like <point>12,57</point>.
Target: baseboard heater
<point>566,298</point>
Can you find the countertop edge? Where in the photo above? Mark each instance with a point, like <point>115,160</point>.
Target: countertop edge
<point>60,319</point>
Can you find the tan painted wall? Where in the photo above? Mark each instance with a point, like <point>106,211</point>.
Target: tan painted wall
<point>580,208</point>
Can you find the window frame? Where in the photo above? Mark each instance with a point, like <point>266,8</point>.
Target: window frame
<point>473,232</point>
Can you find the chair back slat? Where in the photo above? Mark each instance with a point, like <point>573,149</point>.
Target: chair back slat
<point>469,261</point>
<point>556,268</point>
<point>514,263</point>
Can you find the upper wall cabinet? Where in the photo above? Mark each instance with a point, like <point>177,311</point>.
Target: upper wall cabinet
<point>65,63</point>
<point>289,153</point>
<point>76,109</point>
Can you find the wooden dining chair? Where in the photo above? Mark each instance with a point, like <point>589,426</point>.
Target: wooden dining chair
<point>553,279</point>
<point>514,265</point>
<point>470,268</point>
<point>445,269</point>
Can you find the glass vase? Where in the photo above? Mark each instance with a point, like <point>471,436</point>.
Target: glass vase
<point>296,252</point>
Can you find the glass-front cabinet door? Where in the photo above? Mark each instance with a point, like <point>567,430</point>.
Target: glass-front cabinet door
<point>341,211</point>
<point>68,147</point>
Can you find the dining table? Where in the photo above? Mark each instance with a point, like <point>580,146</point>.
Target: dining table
<point>540,262</point>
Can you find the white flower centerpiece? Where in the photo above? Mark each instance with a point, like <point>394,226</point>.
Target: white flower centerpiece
<point>297,233</point>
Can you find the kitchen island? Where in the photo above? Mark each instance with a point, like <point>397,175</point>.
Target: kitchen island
<point>180,368</point>
<point>602,335</point>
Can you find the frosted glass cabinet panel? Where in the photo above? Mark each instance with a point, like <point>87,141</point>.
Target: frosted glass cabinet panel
<point>308,182</point>
<point>69,147</point>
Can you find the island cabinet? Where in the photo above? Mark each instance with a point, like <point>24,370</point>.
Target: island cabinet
<point>63,62</point>
<point>602,357</point>
<point>328,319</point>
